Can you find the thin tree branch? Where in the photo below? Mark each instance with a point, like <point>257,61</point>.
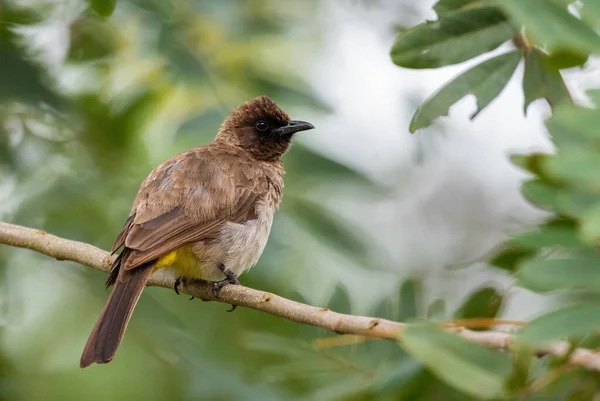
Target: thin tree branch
<point>64,249</point>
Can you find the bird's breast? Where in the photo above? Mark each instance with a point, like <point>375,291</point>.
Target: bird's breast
<point>242,244</point>
<point>237,246</point>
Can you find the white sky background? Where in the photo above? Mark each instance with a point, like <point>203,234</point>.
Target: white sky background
<point>454,205</point>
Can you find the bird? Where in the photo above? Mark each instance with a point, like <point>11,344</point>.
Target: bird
<point>204,214</point>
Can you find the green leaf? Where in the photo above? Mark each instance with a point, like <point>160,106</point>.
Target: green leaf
<point>332,229</point>
<point>485,81</point>
<point>594,94</point>
<point>590,225</point>
<point>562,59</point>
<point>467,366</point>
<point>91,38</point>
<point>532,162</point>
<point>411,299</point>
<point>522,357</point>
<point>575,126</point>
<point>593,7</point>
<point>543,81</point>
<point>455,38</point>
<point>581,271</point>
<point>110,131</point>
<point>575,165</point>
<point>340,301</point>
<point>575,203</point>
<point>313,164</point>
<point>7,157</point>
<point>437,309</point>
<point>394,377</point>
<point>485,302</point>
<point>183,62</point>
<point>572,321</point>
<point>540,193</point>
<point>21,80</point>
<point>548,237</point>
<point>342,389</point>
<point>443,7</point>
<point>591,12</point>
<point>406,304</point>
<point>552,26</point>
<point>104,8</point>
<point>510,257</point>
<point>572,201</point>
<point>587,393</point>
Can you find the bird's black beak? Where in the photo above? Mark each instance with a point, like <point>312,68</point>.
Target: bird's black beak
<point>292,127</point>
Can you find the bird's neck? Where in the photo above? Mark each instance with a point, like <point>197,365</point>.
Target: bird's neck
<point>259,149</point>
<point>274,164</point>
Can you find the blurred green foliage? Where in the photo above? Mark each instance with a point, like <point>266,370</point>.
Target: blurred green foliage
<point>78,136</point>
<point>144,79</point>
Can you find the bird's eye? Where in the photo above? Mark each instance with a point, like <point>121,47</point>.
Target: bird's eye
<point>262,125</point>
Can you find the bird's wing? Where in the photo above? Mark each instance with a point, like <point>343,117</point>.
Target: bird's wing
<point>188,199</point>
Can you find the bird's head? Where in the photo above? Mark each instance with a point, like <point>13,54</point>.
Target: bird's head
<point>260,127</point>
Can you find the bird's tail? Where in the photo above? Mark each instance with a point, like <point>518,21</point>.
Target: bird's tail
<point>110,327</point>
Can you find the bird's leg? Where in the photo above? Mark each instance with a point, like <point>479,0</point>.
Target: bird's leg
<point>231,278</point>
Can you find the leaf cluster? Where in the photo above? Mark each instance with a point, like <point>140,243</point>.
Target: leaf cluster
<point>544,33</point>
<point>561,256</point>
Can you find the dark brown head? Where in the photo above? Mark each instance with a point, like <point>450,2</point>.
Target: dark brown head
<point>261,128</point>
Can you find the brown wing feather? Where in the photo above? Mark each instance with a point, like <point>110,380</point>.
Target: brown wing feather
<point>120,241</point>
<point>150,241</point>
<point>151,246</point>
<point>177,207</point>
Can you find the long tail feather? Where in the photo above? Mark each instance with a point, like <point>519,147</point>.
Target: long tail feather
<point>110,327</point>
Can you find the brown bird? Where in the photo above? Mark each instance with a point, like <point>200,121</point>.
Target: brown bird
<point>203,214</point>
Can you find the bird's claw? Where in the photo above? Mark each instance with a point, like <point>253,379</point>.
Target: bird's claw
<point>177,284</point>
<point>231,278</point>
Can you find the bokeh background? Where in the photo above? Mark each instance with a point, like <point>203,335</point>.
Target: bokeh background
<point>374,220</point>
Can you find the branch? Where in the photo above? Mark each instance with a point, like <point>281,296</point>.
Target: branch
<point>64,249</point>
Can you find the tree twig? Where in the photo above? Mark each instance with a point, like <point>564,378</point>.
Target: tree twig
<point>64,249</point>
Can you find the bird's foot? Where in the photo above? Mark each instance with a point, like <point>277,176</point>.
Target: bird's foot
<point>231,278</point>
